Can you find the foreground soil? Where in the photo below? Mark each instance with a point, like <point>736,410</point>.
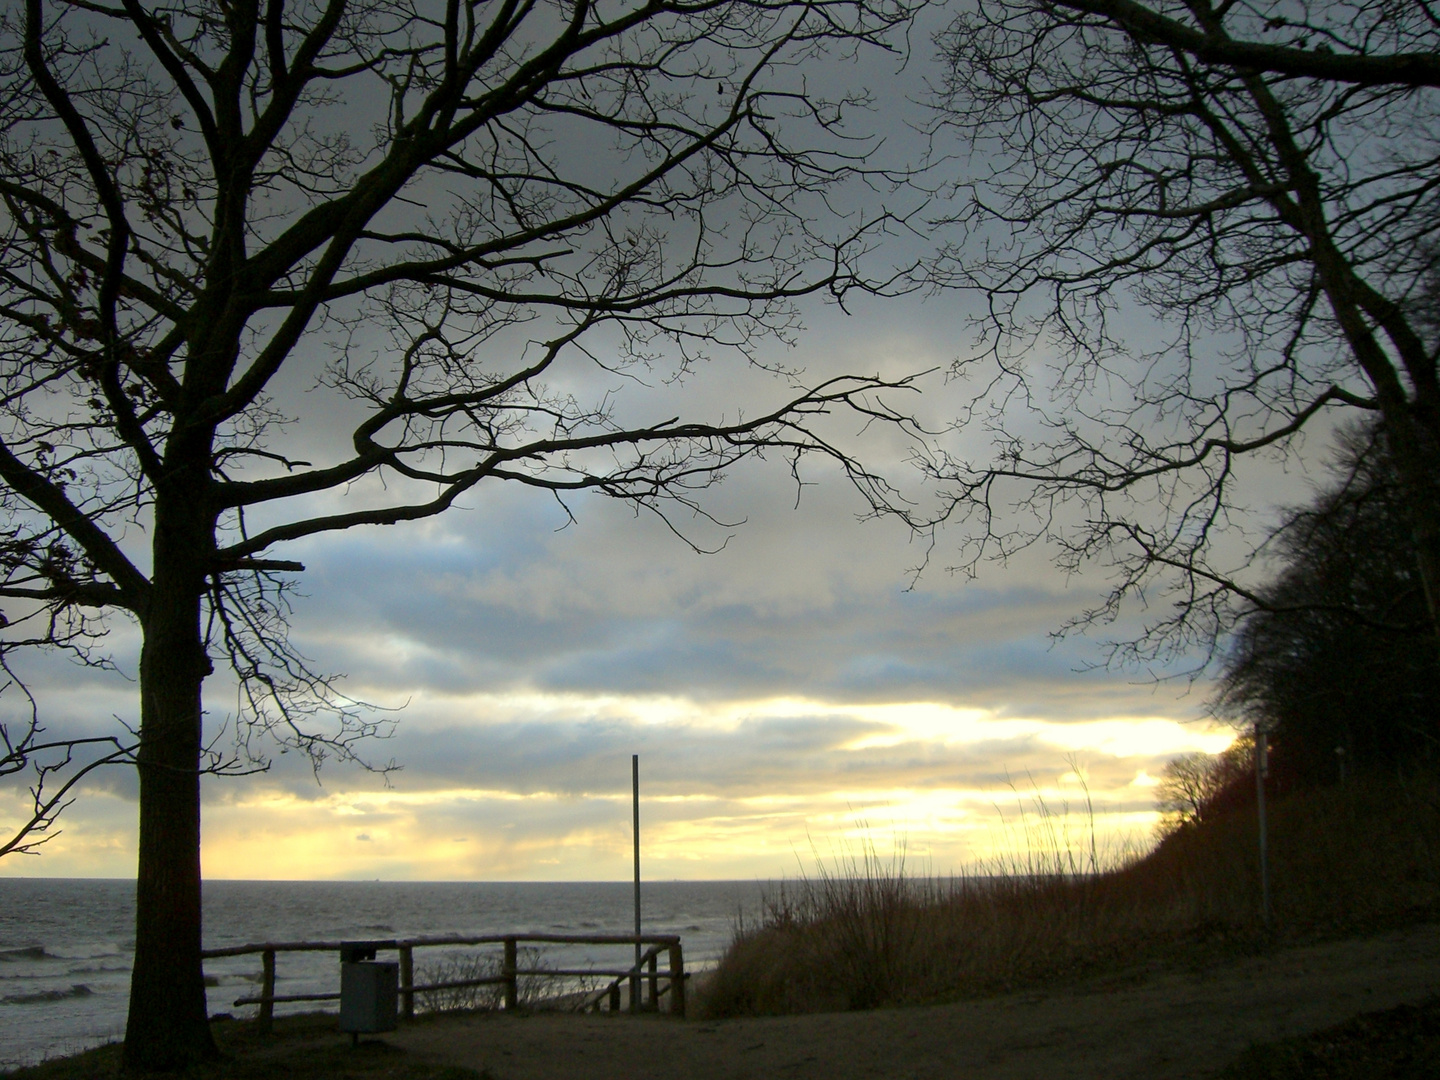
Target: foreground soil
<point>1402,1043</point>
<point>1143,1024</point>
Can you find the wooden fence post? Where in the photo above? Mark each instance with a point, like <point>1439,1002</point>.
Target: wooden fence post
<point>407,981</point>
<point>266,1018</point>
<point>615,997</point>
<point>654,982</point>
<point>512,989</point>
<point>677,981</point>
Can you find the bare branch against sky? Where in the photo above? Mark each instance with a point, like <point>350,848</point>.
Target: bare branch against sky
<point>1256,180</point>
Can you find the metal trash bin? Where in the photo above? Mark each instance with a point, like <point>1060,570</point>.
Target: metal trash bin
<point>369,990</point>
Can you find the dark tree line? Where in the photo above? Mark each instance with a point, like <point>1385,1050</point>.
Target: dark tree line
<point>1338,655</point>
<point>1335,658</point>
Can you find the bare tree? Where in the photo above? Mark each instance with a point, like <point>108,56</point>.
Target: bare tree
<point>449,219</point>
<point>1180,795</point>
<point>1195,787</point>
<point>1202,229</point>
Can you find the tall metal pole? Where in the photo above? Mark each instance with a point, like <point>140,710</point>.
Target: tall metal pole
<point>635,786</point>
<point>1262,766</point>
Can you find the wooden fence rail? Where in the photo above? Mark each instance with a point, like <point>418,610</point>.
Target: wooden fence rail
<point>646,971</point>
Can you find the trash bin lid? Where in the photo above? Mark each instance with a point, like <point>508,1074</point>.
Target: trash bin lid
<point>353,952</point>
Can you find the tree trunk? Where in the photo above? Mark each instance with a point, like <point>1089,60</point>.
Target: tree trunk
<point>168,1026</point>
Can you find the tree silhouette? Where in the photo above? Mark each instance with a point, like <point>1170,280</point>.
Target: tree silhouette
<point>1196,788</point>
<point>1339,654</point>
<point>464,226</point>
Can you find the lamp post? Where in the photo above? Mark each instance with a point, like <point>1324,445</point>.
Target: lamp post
<point>635,805</point>
<point>1262,767</point>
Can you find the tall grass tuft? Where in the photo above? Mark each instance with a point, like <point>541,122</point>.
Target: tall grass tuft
<point>862,932</point>
<point>843,939</point>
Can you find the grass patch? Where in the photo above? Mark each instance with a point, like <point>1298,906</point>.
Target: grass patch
<point>864,933</point>
<point>299,1048</point>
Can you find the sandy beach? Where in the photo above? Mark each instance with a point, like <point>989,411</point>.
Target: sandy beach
<point>1146,1024</point>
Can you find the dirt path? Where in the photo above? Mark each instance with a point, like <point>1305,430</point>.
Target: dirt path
<point>1169,1025</point>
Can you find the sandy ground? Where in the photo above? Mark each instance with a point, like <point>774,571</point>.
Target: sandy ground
<point>1157,1025</point>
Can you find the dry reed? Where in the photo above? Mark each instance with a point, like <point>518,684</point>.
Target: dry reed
<point>863,932</point>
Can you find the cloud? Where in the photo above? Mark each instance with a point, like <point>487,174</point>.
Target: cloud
<point>613,604</point>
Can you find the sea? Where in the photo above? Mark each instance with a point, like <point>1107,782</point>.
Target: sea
<point>66,944</point>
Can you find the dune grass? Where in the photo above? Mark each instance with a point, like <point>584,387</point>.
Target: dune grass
<point>863,932</point>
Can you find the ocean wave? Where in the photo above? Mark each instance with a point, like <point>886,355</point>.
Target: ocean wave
<point>79,990</point>
<point>75,954</point>
<point>30,952</point>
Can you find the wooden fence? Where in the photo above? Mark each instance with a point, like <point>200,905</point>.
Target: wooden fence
<point>646,975</point>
